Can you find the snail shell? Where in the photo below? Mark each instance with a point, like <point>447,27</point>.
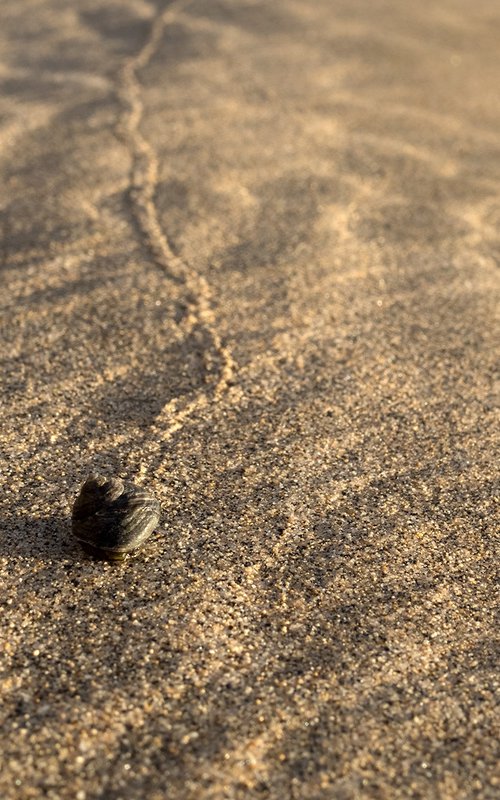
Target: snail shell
<point>111,518</point>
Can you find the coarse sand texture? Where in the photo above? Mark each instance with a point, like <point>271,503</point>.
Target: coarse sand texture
<point>249,262</point>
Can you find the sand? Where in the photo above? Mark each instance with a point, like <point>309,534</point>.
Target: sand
<point>250,261</point>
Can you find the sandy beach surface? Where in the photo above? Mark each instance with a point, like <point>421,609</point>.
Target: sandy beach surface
<point>250,261</point>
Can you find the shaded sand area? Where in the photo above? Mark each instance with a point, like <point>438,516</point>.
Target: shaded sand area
<point>249,259</point>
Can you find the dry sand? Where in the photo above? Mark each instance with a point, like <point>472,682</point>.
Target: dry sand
<point>303,371</point>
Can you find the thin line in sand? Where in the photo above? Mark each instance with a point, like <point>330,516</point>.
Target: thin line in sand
<point>143,185</point>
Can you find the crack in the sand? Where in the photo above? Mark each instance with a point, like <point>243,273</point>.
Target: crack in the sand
<point>143,183</point>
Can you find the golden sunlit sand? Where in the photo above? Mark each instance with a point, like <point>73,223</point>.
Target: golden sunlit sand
<point>250,262</point>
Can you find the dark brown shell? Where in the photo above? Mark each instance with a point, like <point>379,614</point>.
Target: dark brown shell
<point>111,518</point>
